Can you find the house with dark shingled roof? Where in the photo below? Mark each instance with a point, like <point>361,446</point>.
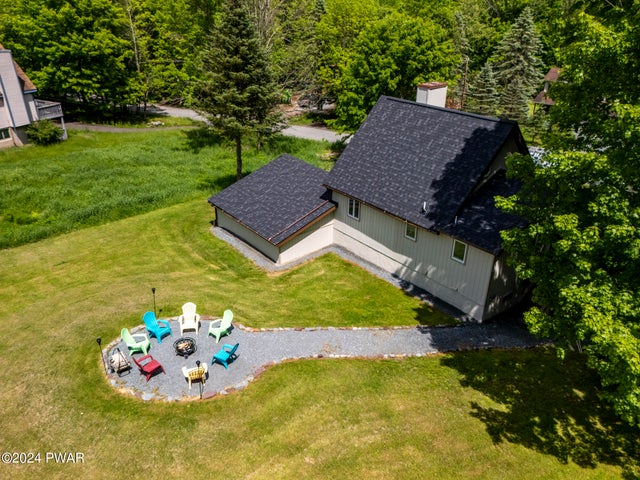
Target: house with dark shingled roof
<point>412,193</point>
<point>282,210</point>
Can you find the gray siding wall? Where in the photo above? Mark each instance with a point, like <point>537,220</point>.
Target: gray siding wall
<point>12,92</point>
<point>228,223</point>
<point>20,136</point>
<point>5,120</point>
<point>317,237</point>
<point>32,110</point>
<point>425,262</point>
<point>504,290</point>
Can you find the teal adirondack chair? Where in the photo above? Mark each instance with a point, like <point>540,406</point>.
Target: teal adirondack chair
<point>226,355</point>
<point>221,327</point>
<point>156,328</point>
<point>138,342</point>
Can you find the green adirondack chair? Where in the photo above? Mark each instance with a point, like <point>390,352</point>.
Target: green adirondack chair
<point>138,342</point>
<point>221,327</point>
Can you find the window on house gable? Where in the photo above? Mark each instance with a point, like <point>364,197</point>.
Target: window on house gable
<point>459,252</point>
<point>354,209</point>
<point>410,231</point>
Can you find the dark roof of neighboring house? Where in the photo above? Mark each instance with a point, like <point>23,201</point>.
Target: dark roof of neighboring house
<point>543,98</point>
<point>26,84</point>
<point>552,75</point>
<point>407,154</point>
<point>277,200</point>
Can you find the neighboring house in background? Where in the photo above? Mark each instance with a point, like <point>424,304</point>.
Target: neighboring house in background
<point>18,107</point>
<point>543,98</point>
<point>412,193</point>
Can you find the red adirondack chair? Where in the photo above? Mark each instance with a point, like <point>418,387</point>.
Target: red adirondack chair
<point>148,366</point>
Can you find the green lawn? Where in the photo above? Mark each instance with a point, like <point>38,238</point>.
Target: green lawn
<point>521,414</point>
<point>98,177</point>
<point>490,415</point>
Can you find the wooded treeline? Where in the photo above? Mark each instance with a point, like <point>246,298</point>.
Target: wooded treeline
<point>123,52</point>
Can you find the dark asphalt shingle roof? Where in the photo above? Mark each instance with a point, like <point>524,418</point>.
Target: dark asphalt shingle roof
<point>407,153</point>
<point>277,200</point>
<point>479,221</point>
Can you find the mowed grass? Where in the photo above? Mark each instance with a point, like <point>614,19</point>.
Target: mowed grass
<point>494,415</point>
<point>98,177</point>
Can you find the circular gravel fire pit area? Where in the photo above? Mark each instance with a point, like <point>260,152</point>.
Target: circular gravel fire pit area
<point>185,346</point>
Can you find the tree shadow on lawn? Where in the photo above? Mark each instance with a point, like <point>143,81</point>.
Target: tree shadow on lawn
<point>215,184</point>
<point>199,138</point>
<point>548,405</point>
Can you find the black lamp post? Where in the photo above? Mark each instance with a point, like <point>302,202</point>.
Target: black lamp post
<point>99,342</point>
<point>153,291</point>
<point>201,378</point>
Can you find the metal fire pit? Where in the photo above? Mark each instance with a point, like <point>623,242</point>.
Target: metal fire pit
<point>185,346</point>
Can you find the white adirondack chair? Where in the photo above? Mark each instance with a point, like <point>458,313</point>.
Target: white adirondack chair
<point>189,320</point>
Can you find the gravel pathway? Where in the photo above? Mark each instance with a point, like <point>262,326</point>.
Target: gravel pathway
<point>260,349</point>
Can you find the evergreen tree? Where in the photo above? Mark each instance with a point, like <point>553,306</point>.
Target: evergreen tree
<point>463,48</point>
<point>483,94</point>
<point>517,64</point>
<point>514,101</point>
<point>237,94</point>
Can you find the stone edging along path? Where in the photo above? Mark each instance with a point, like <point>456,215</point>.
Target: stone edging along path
<point>261,348</point>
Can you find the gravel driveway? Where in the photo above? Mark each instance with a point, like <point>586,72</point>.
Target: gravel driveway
<point>300,131</point>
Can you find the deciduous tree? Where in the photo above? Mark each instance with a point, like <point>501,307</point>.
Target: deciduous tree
<point>581,248</point>
<point>390,57</point>
<point>287,31</point>
<point>78,50</point>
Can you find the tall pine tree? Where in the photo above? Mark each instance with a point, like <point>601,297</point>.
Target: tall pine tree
<point>236,93</point>
<point>514,101</point>
<point>462,47</point>
<point>517,65</point>
<point>483,94</point>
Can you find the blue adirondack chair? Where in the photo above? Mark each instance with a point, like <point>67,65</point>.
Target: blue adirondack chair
<point>156,328</point>
<point>226,355</point>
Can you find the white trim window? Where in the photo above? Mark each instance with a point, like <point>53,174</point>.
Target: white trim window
<point>459,251</point>
<point>354,209</point>
<point>4,134</point>
<point>410,231</point>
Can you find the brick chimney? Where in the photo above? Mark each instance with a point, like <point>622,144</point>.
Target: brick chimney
<point>432,93</point>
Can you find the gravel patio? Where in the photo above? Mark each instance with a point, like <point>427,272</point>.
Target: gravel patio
<point>262,348</point>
